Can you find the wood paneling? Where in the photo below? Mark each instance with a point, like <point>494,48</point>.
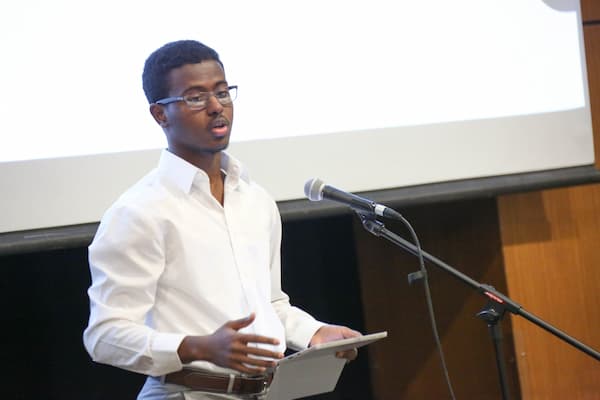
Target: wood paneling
<point>552,264</point>
<point>406,364</point>
<point>590,10</point>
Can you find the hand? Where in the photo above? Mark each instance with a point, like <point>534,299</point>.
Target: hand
<point>229,348</point>
<point>328,333</point>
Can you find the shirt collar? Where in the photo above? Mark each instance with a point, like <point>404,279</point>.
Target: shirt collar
<point>184,175</point>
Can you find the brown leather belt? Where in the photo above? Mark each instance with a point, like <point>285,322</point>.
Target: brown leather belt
<point>219,383</point>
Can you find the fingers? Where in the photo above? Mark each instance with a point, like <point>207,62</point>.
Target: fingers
<point>247,359</point>
<point>349,355</point>
<point>241,351</point>
<point>250,359</point>
<point>245,348</point>
<point>253,354</point>
<point>252,338</point>
<point>238,324</point>
<point>327,333</point>
<point>349,333</point>
<point>255,361</point>
<point>260,352</point>
<point>247,369</point>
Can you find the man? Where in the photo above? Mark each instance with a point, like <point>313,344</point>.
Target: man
<point>186,264</point>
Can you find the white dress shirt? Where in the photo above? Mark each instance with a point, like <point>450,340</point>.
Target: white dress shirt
<point>169,261</point>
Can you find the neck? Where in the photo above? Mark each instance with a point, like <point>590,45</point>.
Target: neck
<point>209,162</point>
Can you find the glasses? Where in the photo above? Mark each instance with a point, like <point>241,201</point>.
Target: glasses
<point>197,100</point>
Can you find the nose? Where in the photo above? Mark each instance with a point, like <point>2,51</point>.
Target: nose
<point>214,107</point>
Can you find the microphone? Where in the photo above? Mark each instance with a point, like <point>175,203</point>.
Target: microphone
<point>316,190</point>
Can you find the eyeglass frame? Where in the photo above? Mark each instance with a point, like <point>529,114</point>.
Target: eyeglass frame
<point>173,99</point>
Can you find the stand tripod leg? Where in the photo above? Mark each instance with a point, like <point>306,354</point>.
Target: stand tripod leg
<point>496,334</point>
<point>491,316</point>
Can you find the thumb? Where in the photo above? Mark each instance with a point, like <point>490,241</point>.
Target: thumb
<point>238,324</point>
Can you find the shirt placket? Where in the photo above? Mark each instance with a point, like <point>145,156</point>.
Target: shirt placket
<point>234,224</point>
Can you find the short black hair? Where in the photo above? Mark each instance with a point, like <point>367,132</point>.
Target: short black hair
<point>170,56</point>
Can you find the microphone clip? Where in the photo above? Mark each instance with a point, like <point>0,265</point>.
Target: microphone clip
<point>370,222</point>
<point>376,227</point>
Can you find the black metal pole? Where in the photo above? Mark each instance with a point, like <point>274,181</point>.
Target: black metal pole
<point>492,315</point>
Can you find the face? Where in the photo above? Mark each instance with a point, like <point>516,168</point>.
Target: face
<point>193,134</point>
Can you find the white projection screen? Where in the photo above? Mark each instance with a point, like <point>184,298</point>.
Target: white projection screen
<point>365,95</point>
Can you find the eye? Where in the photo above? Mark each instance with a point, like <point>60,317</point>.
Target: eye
<point>222,94</point>
<point>195,98</point>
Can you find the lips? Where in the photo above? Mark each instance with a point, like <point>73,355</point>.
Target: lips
<point>219,127</point>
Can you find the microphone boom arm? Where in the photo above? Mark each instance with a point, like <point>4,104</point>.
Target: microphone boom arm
<point>377,228</point>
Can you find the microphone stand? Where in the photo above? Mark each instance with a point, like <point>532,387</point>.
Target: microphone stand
<point>494,310</point>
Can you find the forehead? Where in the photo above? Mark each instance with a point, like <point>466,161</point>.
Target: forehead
<point>205,75</point>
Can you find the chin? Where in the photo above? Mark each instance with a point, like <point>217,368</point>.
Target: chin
<point>220,147</point>
<point>224,143</point>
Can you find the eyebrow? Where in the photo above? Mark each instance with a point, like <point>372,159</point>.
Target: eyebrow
<point>203,89</point>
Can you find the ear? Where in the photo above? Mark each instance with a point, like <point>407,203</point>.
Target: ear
<point>158,112</point>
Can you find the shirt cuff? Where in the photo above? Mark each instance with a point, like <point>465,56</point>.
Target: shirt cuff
<point>164,351</point>
<point>300,339</point>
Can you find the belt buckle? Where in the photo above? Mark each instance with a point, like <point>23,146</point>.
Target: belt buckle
<point>265,381</point>
<point>265,385</point>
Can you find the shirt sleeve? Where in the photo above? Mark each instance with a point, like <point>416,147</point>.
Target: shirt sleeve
<point>126,260</point>
<point>299,325</point>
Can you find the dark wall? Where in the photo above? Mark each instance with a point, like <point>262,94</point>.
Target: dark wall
<point>320,273</point>
<point>46,295</point>
<point>465,236</point>
<point>46,309</point>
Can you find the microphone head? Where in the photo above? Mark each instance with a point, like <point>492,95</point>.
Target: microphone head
<point>313,189</point>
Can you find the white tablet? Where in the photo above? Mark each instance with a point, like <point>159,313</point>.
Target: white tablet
<point>335,346</point>
<point>315,369</point>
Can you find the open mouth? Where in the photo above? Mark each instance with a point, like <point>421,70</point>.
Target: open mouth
<point>219,127</point>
